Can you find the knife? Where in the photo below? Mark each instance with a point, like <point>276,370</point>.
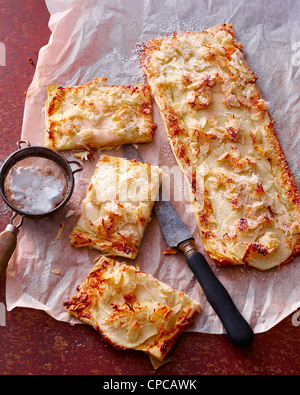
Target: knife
<point>177,235</point>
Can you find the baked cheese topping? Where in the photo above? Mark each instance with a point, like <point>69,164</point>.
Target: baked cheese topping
<point>95,115</point>
<point>117,207</point>
<point>245,200</point>
<point>132,309</point>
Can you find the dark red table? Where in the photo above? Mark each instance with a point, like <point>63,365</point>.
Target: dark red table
<point>31,342</point>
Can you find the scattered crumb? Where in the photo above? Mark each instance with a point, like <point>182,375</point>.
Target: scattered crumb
<point>99,256</point>
<point>170,251</point>
<point>116,147</point>
<point>30,61</point>
<point>55,271</point>
<point>200,288</point>
<point>81,155</point>
<point>156,363</point>
<point>70,213</point>
<point>86,155</point>
<point>60,229</point>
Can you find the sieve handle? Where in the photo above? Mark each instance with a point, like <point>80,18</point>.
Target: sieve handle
<point>8,242</point>
<point>80,167</point>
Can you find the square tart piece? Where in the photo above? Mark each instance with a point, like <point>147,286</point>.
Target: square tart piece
<point>245,199</point>
<point>117,207</point>
<point>95,115</point>
<point>132,309</point>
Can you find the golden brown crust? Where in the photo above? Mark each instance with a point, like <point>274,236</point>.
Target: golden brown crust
<point>95,115</point>
<point>117,207</point>
<point>131,309</point>
<point>245,200</point>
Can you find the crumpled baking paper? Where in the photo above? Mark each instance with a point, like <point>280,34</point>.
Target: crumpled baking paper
<point>97,38</point>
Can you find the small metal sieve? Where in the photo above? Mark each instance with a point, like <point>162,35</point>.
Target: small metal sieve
<point>42,163</point>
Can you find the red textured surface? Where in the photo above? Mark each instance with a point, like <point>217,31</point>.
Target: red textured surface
<point>32,342</point>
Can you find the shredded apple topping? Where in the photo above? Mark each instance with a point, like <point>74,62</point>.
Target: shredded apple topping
<point>132,309</point>
<point>224,141</point>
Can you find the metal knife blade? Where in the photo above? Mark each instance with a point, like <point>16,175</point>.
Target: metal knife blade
<point>174,230</point>
<point>131,153</point>
<point>177,235</point>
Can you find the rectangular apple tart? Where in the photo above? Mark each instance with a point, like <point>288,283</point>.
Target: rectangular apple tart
<point>244,197</point>
<point>117,207</point>
<point>95,115</point>
<point>132,309</point>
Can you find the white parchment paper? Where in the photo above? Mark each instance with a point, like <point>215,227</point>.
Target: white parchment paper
<point>97,38</point>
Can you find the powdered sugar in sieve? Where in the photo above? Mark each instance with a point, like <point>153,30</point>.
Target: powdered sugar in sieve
<point>35,188</point>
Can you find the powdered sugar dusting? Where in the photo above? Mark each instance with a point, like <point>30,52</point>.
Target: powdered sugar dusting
<point>33,192</point>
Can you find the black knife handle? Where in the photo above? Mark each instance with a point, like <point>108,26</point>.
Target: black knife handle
<point>237,328</point>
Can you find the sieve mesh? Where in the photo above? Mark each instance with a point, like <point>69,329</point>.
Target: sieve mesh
<point>36,181</point>
<point>35,185</point>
